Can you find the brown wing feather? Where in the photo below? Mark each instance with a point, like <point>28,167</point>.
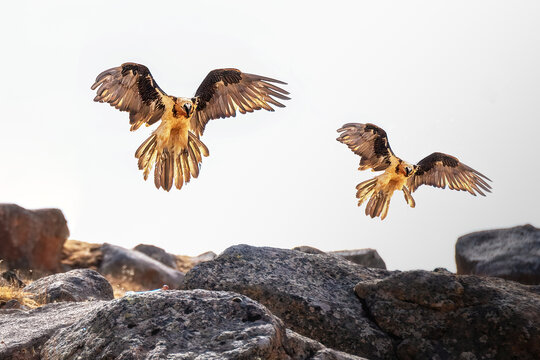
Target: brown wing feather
<point>224,91</point>
<point>369,142</point>
<point>131,87</point>
<point>441,170</point>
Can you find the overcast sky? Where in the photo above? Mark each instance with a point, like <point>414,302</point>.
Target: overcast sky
<point>460,77</point>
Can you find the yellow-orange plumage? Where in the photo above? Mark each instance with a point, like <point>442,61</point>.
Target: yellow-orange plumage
<point>370,142</point>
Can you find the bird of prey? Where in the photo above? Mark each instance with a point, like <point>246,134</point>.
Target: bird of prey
<point>440,170</point>
<point>175,146</point>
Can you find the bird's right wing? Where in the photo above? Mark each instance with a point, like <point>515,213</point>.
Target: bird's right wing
<point>131,87</point>
<point>370,143</point>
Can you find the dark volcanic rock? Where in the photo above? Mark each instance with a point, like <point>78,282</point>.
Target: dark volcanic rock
<point>512,254</point>
<point>438,315</point>
<point>194,324</point>
<point>74,285</point>
<point>312,294</point>
<point>366,257</point>
<point>158,254</point>
<point>139,268</point>
<point>32,239</point>
<point>22,333</point>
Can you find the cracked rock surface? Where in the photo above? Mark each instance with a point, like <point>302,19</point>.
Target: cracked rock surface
<point>195,324</point>
<point>439,315</point>
<point>312,293</point>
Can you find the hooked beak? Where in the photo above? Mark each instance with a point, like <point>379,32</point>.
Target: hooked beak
<point>187,108</point>
<point>408,171</point>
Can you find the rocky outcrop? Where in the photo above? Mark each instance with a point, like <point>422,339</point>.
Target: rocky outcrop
<point>312,293</point>
<point>438,315</point>
<point>138,268</point>
<point>512,254</point>
<point>366,257</point>
<point>194,324</point>
<point>74,285</point>
<point>32,239</point>
<point>23,333</point>
<point>158,254</point>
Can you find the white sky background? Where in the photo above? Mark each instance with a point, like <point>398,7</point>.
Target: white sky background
<point>459,77</point>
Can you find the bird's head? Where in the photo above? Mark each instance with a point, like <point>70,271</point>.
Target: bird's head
<point>407,169</point>
<point>184,107</point>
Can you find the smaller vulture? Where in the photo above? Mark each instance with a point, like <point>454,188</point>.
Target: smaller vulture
<point>175,146</point>
<point>440,170</point>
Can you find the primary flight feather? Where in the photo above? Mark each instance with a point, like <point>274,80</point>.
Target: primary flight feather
<point>370,142</point>
<point>175,146</point>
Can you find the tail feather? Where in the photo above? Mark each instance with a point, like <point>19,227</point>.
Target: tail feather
<point>378,205</point>
<point>365,189</point>
<point>171,167</point>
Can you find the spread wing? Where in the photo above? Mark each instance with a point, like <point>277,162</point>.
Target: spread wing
<point>132,88</point>
<point>441,170</point>
<point>224,91</point>
<point>370,143</point>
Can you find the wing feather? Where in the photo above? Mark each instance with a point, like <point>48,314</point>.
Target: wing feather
<point>224,91</point>
<point>369,142</point>
<point>131,87</point>
<point>441,170</point>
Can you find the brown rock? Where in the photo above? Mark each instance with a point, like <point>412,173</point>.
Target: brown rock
<point>32,239</point>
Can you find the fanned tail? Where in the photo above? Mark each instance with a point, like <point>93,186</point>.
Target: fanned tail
<point>172,166</point>
<point>378,204</point>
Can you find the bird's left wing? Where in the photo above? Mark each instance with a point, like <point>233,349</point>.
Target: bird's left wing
<point>441,170</point>
<point>131,87</point>
<point>224,91</point>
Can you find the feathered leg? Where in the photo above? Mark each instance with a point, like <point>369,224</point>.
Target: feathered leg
<point>365,189</point>
<point>408,197</point>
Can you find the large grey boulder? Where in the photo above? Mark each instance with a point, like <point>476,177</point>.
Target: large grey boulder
<point>438,315</point>
<point>138,268</point>
<point>32,239</point>
<point>512,254</point>
<point>312,293</point>
<point>74,285</point>
<point>23,333</point>
<point>366,257</point>
<point>194,324</point>
<point>158,254</point>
